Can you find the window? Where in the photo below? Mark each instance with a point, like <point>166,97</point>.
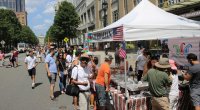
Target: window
<point>85,18</point>
<point>82,18</point>
<point>89,15</point>
<point>115,15</point>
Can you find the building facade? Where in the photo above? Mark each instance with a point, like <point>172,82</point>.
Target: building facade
<point>18,6</point>
<point>185,8</point>
<point>15,5</point>
<point>96,14</point>
<point>22,17</point>
<point>41,40</point>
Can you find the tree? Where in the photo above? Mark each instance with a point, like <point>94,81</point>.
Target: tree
<point>51,34</point>
<point>66,22</point>
<point>27,36</point>
<point>10,27</point>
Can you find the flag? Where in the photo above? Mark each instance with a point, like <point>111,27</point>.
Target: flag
<point>89,37</point>
<point>118,33</point>
<point>122,50</point>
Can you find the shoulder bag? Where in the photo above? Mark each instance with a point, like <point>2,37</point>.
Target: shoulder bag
<point>72,89</point>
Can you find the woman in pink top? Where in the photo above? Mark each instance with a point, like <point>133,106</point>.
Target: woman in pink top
<point>1,58</point>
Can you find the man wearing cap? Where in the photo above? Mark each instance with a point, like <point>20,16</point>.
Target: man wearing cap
<point>193,75</point>
<point>31,64</point>
<point>80,77</point>
<point>102,83</point>
<point>158,81</point>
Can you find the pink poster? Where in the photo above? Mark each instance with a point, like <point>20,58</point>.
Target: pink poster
<point>179,48</point>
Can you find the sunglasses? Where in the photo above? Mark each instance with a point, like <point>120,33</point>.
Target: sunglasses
<point>84,61</point>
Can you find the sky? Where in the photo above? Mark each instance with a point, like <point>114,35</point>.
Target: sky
<point>40,15</point>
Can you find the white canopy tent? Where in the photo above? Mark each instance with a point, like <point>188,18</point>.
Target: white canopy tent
<point>146,22</point>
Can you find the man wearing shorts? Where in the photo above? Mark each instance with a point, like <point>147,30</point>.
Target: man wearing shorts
<point>102,84</point>
<point>31,64</point>
<point>193,75</point>
<point>52,71</point>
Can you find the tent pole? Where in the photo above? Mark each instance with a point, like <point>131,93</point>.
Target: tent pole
<point>125,77</point>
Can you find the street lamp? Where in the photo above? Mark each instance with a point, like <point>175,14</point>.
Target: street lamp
<point>104,8</point>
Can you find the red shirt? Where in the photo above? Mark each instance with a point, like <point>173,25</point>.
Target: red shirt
<point>15,54</point>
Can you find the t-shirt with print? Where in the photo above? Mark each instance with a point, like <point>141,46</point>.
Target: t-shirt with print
<point>141,60</point>
<point>104,68</point>
<point>69,59</point>
<point>81,75</point>
<point>158,82</point>
<point>195,72</point>
<point>51,64</point>
<point>31,61</point>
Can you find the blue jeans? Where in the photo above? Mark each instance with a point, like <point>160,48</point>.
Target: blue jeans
<point>102,95</point>
<point>62,82</point>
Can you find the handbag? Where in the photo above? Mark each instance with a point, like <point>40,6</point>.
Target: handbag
<point>72,89</point>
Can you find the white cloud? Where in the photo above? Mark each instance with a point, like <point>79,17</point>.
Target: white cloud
<point>31,5</point>
<point>50,7</point>
<point>38,16</point>
<point>48,21</point>
<point>39,27</point>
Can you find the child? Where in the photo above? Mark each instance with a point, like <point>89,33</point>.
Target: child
<point>93,93</point>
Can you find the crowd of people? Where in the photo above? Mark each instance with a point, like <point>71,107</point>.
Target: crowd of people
<point>163,75</point>
<point>74,67</point>
<point>13,58</point>
<point>83,70</point>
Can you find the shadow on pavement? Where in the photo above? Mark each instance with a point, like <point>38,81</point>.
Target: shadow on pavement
<point>56,94</point>
<point>38,84</point>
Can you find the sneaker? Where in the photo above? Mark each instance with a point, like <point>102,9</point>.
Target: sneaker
<point>92,107</point>
<point>52,97</point>
<point>33,85</point>
<point>62,92</point>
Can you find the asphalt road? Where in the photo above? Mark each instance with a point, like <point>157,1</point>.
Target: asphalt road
<point>16,92</point>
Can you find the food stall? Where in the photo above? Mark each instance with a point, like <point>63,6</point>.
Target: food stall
<point>145,22</point>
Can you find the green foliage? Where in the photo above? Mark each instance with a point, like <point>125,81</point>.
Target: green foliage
<point>10,27</point>
<point>11,30</point>
<point>27,36</point>
<point>66,22</point>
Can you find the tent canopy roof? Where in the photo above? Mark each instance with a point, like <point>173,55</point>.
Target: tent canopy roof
<point>147,20</point>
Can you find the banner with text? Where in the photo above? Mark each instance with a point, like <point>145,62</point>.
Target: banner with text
<point>114,34</point>
<point>179,48</point>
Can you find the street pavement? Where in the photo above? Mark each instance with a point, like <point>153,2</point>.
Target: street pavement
<point>16,92</point>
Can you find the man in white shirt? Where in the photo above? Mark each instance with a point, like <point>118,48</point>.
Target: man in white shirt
<point>139,64</point>
<point>31,64</point>
<point>80,77</point>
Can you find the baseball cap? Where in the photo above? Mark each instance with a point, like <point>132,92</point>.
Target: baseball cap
<point>108,57</point>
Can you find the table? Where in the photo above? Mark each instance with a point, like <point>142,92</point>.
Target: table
<point>136,102</point>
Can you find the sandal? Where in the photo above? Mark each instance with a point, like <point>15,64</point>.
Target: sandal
<point>52,97</point>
